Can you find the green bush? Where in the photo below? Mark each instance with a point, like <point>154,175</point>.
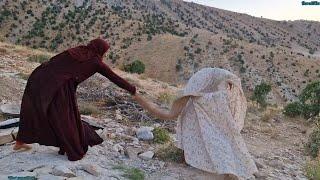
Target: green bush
<point>160,135</point>
<point>260,93</point>
<point>308,104</point>
<point>130,172</point>
<point>39,58</point>
<point>135,67</point>
<point>294,109</point>
<point>169,152</point>
<point>313,144</point>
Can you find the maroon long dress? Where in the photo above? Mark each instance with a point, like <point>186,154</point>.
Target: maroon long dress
<point>49,112</point>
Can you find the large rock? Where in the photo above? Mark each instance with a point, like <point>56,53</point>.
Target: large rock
<point>63,171</point>
<point>145,133</point>
<point>10,109</point>
<point>24,175</point>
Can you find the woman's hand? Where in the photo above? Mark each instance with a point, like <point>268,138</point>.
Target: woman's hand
<point>160,113</point>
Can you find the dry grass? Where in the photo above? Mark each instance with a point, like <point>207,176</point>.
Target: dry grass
<point>87,108</point>
<point>269,114</point>
<point>166,98</point>
<point>23,50</point>
<point>312,170</point>
<point>24,76</point>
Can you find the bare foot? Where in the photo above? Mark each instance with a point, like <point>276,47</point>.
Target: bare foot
<point>21,146</point>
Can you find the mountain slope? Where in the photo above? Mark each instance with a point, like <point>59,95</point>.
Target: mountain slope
<point>174,38</point>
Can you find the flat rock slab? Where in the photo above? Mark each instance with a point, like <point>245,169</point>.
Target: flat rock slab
<point>6,135</point>
<point>23,176</point>
<point>91,169</point>
<point>10,109</point>
<point>9,123</point>
<point>94,122</point>
<point>50,177</point>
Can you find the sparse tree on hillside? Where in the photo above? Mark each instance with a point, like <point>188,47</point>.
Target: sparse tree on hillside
<point>260,93</point>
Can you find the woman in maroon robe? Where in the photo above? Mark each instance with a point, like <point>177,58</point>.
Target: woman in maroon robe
<point>49,112</point>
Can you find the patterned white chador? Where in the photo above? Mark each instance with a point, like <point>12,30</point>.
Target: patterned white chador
<point>209,126</point>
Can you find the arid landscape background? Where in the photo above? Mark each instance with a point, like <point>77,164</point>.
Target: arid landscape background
<point>174,39</point>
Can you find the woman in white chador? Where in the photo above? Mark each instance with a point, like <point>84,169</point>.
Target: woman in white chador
<point>211,112</point>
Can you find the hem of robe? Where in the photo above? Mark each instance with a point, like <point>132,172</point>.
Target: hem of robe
<point>30,137</point>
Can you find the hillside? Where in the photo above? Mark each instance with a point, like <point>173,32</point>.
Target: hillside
<point>174,39</point>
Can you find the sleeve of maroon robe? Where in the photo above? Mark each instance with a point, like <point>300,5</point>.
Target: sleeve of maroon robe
<point>108,73</point>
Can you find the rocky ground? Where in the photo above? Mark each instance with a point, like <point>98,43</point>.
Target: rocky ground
<point>128,151</point>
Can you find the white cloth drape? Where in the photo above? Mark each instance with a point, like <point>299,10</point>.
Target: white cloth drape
<point>209,126</point>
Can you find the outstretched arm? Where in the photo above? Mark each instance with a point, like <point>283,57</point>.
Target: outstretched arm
<point>176,108</point>
<point>119,81</point>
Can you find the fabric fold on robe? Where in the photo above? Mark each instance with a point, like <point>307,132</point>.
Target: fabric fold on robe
<point>209,126</point>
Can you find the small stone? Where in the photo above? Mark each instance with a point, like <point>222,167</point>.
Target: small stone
<point>276,164</point>
<point>260,175</point>
<point>118,115</point>
<point>76,178</point>
<point>78,3</point>
<point>135,141</point>
<point>63,171</point>
<point>130,131</point>
<point>25,175</point>
<point>91,169</point>
<point>111,135</point>
<point>146,155</point>
<point>10,109</point>
<point>119,130</point>
<point>259,165</point>
<point>162,164</point>
<point>117,148</point>
<point>50,177</point>
<point>145,133</point>
<point>132,153</point>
